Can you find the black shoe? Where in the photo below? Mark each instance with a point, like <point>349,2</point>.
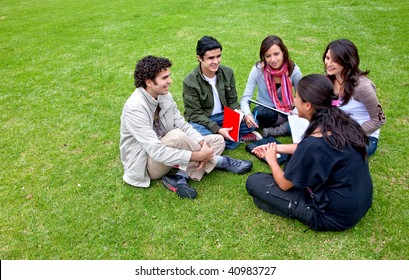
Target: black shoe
<point>237,166</point>
<point>182,190</point>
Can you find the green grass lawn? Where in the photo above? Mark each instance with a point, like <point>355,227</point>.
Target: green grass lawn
<point>66,69</point>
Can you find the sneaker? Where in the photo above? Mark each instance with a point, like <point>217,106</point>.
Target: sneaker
<point>236,166</point>
<point>251,137</point>
<point>182,190</point>
<point>281,130</point>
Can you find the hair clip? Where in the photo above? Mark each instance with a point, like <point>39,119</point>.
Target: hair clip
<point>335,103</point>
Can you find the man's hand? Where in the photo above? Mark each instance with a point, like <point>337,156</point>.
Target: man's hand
<point>203,156</point>
<point>225,133</point>
<point>207,153</point>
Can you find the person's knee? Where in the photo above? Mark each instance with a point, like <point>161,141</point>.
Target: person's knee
<point>252,181</point>
<point>176,138</point>
<point>219,140</point>
<point>175,133</point>
<point>216,141</point>
<point>214,138</point>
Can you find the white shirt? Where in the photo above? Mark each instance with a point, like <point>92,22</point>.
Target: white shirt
<point>358,112</point>
<point>218,107</point>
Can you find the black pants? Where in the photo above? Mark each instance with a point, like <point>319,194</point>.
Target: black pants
<point>270,198</point>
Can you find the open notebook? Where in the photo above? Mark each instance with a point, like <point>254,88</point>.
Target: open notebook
<point>298,127</point>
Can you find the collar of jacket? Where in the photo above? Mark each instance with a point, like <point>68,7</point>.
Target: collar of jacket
<point>162,100</point>
<point>152,102</point>
<point>199,71</point>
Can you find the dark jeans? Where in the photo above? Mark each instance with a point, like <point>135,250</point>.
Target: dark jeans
<point>270,198</point>
<point>372,146</point>
<point>218,118</point>
<point>265,116</point>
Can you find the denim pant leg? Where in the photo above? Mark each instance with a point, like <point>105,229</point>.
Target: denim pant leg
<point>200,128</point>
<point>218,118</point>
<point>244,129</point>
<point>372,145</point>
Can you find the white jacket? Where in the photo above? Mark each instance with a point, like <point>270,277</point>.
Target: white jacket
<point>139,140</point>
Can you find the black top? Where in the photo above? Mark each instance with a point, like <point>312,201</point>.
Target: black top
<point>338,183</point>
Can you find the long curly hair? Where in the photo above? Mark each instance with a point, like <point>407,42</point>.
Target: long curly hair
<point>345,53</point>
<point>337,128</point>
<point>148,68</point>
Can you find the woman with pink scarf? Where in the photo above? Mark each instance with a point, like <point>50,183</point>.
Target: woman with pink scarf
<point>275,76</point>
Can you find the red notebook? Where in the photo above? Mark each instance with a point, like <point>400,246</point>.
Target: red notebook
<point>232,118</point>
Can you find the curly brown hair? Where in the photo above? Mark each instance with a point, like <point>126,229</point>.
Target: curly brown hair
<point>148,68</point>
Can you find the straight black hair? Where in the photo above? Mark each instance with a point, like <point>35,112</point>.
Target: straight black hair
<point>207,43</point>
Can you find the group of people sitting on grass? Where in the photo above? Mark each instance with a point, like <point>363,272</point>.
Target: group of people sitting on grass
<point>325,182</point>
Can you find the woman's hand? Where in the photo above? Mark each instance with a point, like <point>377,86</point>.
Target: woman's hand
<point>250,122</point>
<point>260,151</point>
<point>271,152</point>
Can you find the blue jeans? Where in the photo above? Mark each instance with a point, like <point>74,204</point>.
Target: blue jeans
<point>372,146</point>
<point>218,118</point>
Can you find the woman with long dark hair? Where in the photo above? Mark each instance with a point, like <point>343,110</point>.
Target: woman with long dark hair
<point>326,184</point>
<point>275,75</point>
<point>356,93</point>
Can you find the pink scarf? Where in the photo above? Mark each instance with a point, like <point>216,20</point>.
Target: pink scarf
<point>287,97</point>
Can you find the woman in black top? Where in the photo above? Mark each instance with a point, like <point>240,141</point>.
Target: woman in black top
<point>326,184</point>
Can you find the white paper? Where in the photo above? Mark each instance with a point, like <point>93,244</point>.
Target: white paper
<point>298,126</point>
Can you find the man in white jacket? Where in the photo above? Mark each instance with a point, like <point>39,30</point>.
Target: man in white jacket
<point>156,138</point>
